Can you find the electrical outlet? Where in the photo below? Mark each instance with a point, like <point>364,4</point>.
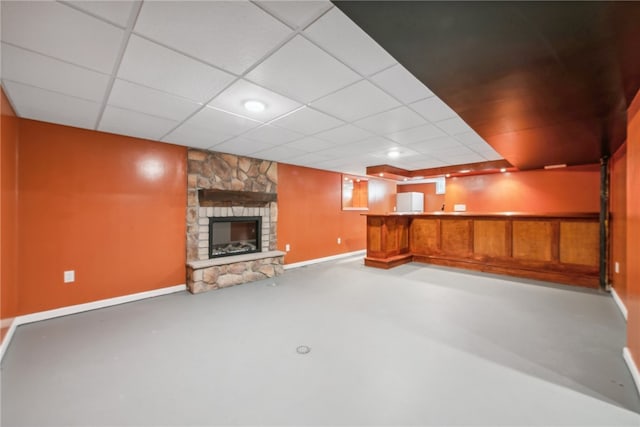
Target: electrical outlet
<point>287,247</point>
<point>339,240</point>
<point>617,267</point>
<point>69,276</point>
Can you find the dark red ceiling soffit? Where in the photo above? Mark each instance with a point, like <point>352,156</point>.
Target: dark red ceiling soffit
<point>542,82</point>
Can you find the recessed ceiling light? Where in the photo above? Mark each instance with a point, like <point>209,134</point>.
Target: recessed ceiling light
<point>447,175</point>
<point>393,154</point>
<point>465,171</point>
<point>254,106</point>
<point>381,174</point>
<point>503,170</point>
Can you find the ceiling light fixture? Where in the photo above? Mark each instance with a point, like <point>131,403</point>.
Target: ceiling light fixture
<point>563,165</point>
<point>503,170</point>
<point>381,174</point>
<point>465,171</point>
<point>393,154</point>
<point>254,106</point>
<point>447,175</point>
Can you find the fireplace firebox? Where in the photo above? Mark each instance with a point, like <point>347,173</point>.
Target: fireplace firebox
<point>234,235</point>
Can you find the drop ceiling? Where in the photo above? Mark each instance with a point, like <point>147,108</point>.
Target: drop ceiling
<point>180,72</point>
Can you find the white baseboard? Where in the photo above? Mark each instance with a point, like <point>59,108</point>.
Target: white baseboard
<point>7,338</point>
<point>635,374</point>
<point>324,259</point>
<point>619,303</point>
<point>80,308</point>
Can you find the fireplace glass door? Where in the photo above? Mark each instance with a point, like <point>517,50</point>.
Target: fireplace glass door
<point>234,235</point>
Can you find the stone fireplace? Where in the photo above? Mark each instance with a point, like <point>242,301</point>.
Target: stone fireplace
<point>224,188</point>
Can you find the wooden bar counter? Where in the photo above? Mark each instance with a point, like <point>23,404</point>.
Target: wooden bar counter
<point>563,248</point>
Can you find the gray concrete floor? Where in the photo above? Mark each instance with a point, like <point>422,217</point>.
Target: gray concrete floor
<point>415,345</point>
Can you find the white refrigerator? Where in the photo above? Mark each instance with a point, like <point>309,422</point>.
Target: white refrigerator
<point>410,202</point>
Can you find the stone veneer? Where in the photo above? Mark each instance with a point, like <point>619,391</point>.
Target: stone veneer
<point>220,171</point>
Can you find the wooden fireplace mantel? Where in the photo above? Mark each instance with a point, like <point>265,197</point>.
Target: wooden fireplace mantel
<point>563,248</point>
<point>213,197</point>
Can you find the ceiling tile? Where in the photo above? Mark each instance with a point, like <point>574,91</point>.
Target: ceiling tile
<point>296,13</point>
<point>416,134</point>
<point>311,159</point>
<point>60,31</point>
<point>356,101</point>
<point>150,101</point>
<point>219,125</point>
<point>340,36</point>
<point>115,11</point>
<point>39,104</point>
<point>402,84</point>
<point>433,109</point>
<point>490,154</point>
<point>233,98</point>
<point>302,71</point>
<point>471,139</point>
<point>404,154</point>
<point>47,73</point>
<point>432,145</point>
<point>344,134</point>
<point>172,72</point>
<point>391,121</point>
<point>231,35</point>
<point>195,136</point>
<point>132,123</point>
<point>463,158</point>
<point>271,135</point>
<point>310,144</point>
<point>279,154</point>
<point>452,151</point>
<point>308,121</point>
<point>369,145</point>
<point>238,146</point>
<point>454,126</point>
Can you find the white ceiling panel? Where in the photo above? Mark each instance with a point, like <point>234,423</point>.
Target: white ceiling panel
<point>416,134</point>
<point>238,146</point>
<point>279,153</point>
<point>195,136</point>
<point>150,101</point>
<point>335,32</point>
<point>370,145</point>
<point>302,71</point>
<point>310,144</point>
<point>431,145</point>
<point>231,35</point>
<point>31,68</point>
<point>454,126</point>
<point>490,154</point>
<point>60,31</point>
<point>221,124</point>
<point>433,109</point>
<point>296,13</point>
<point>402,84</point>
<point>117,12</point>
<point>308,121</point>
<point>152,65</point>
<point>39,104</point>
<point>132,123</point>
<point>392,121</point>
<point>463,158</point>
<point>344,134</point>
<point>271,135</point>
<point>403,154</point>
<point>356,101</point>
<point>471,139</point>
<point>311,159</point>
<point>233,98</point>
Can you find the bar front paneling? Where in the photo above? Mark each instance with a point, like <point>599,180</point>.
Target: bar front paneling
<point>561,248</point>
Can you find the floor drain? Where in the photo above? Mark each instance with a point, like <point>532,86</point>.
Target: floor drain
<point>303,349</point>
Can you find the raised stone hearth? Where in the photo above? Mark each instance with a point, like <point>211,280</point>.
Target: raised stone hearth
<point>225,185</point>
<point>218,273</point>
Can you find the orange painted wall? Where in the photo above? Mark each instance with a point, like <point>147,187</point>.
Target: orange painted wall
<point>618,221</point>
<point>432,201</point>
<point>8,213</point>
<point>633,229</point>
<point>110,207</point>
<point>565,190</point>
<point>310,215</point>
<point>536,191</point>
